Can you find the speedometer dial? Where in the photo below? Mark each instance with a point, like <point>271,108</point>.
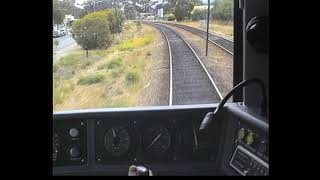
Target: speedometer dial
<point>156,139</point>
<point>117,141</point>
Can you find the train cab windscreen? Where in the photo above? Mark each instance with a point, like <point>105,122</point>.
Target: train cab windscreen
<point>160,87</point>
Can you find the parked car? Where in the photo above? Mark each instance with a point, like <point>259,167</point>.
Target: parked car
<point>58,32</point>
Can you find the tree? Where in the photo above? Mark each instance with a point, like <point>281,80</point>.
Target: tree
<point>115,19</point>
<point>129,10</point>
<point>92,31</point>
<point>170,17</point>
<point>222,10</point>
<point>182,9</point>
<point>67,6</point>
<point>57,13</point>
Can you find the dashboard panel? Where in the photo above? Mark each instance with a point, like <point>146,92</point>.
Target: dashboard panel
<point>164,139</point>
<point>120,138</point>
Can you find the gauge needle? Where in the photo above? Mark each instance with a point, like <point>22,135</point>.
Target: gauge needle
<point>114,133</point>
<point>195,137</point>
<point>155,139</point>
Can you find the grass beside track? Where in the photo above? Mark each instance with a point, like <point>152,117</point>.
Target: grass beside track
<point>112,77</point>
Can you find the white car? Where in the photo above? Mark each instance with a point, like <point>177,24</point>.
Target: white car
<point>59,32</point>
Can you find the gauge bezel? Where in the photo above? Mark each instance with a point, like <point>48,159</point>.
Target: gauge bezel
<point>146,135</point>
<point>144,156</point>
<point>127,133</point>
<point>102,156</point>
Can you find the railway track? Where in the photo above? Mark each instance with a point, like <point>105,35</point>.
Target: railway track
<point>224,43</point>
<point>190,82</point>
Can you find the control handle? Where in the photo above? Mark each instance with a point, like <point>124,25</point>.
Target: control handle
<point>139,171</point>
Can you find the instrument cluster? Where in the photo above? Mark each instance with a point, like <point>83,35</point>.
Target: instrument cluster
<point>145,141</point>
<point>117,141</point>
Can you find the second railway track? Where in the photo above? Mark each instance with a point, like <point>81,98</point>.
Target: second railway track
<point>190,82</point>
<point>224,43</point>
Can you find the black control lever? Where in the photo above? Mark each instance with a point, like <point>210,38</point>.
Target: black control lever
<point>212,115</point>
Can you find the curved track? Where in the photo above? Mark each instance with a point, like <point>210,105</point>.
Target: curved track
<point>225,44</point>
<point>190,82</point>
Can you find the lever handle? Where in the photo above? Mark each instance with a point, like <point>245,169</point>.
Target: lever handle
<point>139,171</point>
<point>142,171</point>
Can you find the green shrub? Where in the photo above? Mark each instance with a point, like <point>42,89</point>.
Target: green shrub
<point>132,77</point>
<point>100,53</point>
<point>115,63</point>
<point>91,79</point>
<point>170,17</point>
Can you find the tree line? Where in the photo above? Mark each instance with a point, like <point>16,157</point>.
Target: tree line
<point>184,10</point>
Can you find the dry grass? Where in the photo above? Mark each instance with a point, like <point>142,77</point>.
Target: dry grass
<point>220,27</point>
<point>122,82</point>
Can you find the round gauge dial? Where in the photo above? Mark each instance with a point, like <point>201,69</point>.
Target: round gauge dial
<point>249,138</point>
<point>241,133</point>
<point>156,139</point>
<point>117,141</point>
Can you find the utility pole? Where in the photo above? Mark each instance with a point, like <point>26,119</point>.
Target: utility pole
<point>208,19</point>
